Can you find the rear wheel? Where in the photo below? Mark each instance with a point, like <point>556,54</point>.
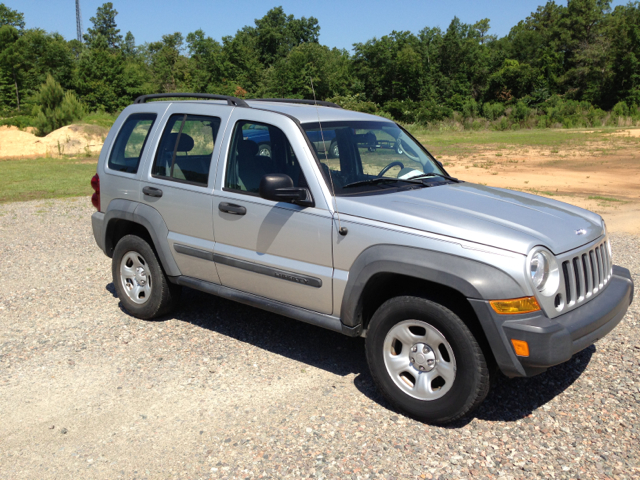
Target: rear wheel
<point>139,280</point>
<point>425,360</point>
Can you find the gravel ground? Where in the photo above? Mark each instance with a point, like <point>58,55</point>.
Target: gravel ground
<point>221,390</point>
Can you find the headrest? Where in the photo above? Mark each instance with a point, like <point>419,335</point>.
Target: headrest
<point>186,142</point>
<point>247,148</point>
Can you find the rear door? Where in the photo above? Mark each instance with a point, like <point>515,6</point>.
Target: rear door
<point>277,250</point>
<point>178,182</point>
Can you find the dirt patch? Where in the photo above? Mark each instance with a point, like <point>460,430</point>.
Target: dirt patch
<point>69,140</point>
<point>627,133</point>
<point>603,181</point>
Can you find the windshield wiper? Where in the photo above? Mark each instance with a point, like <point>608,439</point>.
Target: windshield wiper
<point>374,181</point>
<point>433,174</point>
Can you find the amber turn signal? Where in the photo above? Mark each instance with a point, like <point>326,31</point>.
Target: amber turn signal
<point>515,305</point>
<point>521,347</point>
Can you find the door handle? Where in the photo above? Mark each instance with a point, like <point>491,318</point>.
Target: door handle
<point>152,191</point>
<point>232,208</point>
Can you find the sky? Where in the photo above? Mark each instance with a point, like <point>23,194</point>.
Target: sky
<point>342,22</point>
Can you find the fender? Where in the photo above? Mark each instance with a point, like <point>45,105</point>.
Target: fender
<point>149,218</point>
<point>471,278</point>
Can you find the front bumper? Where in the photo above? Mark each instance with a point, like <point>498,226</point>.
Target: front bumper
<point>554,341</point>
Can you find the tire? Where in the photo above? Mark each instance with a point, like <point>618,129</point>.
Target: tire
<point>264,150</point>
<point>334,152</point>
<point>140,281</point>
<point>450,379</point>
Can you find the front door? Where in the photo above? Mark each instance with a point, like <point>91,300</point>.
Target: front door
<point>273,249</point>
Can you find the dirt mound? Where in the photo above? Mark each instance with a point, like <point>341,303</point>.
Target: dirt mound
<point>69,140</point>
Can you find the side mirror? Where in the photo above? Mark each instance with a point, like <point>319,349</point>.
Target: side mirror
<point>279,188</point>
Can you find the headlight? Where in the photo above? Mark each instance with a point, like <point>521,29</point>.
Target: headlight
<point>539,270</point>
<point>543,271</point>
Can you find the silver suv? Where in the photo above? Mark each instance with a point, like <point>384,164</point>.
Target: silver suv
<point>343,220</point>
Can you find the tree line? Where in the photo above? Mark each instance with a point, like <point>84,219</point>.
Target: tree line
<point>573,65</point>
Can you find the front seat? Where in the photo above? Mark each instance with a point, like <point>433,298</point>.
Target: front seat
<point>251,166</point>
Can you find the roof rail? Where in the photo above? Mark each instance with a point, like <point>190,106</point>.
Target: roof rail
<point>233,101</point>
<point>296,100</point>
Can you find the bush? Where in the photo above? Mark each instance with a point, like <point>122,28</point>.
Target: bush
<point>502,124</point>
<point>492,111</point>
<point>520,112</point>
<point>621,109</point>
<point>55,108</point>
<point>355,102</point>
<point>406,111</point>
<point>20,121</point>
<point>470,108</point>
<point>543,122</point>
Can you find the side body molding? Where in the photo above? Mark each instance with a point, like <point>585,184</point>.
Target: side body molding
<point>471,278</point>
<point>149,218</point>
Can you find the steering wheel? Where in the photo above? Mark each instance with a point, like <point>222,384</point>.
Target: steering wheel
<point>395,163</point>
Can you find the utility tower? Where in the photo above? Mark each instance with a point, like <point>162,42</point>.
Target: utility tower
<point>78,21</point>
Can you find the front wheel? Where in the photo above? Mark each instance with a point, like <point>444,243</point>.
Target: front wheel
<point>139,280</point>
<point>425,360</point>
<point>334,151</point>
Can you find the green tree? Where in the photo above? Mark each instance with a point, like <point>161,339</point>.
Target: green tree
<point>513,80</point>
<point>11,17</point>
<point>390,68</point>
<point>624,34</point>
<point>10,62</point>
<point>291,76</point>
<point>169,67</point>
<point>29,56</point>
<point>55,108</point>
<point>482,28</point>
<point>537,41</point>
<point>104,24</point>
<point>241,66</point>
<point>206,61</point>
<point>100,77</point>
<point>277,34</point>
<point>585,39</point>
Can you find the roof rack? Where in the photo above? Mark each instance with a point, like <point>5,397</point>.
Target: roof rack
<point>232,101</point>
<point>296,100</point>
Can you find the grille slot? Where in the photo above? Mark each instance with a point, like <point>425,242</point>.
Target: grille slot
<point>586,273</point>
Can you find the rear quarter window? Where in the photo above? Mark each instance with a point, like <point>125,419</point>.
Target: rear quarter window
<point>130,142</point>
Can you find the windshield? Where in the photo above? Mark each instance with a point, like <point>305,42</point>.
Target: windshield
<point>360,156</point>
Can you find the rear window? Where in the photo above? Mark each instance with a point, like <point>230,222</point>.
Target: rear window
<point>128,147</point>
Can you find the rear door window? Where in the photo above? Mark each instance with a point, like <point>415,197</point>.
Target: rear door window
<point>130,142</point>
<point>186,148</point>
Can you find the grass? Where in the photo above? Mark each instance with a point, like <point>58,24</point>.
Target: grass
<point>39,178</point>
<point>101,119</point>
<point>471,142</point>
<point>606,199</point>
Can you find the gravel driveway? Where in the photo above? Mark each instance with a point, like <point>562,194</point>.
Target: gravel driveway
<point>221,390</point>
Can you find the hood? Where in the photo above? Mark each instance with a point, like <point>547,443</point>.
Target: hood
<point>496,217</point>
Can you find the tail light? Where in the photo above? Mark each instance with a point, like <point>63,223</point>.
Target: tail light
<point>95,184</point>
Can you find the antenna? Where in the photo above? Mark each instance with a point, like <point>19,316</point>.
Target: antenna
<point>341,230</point>
<point>78,21</point>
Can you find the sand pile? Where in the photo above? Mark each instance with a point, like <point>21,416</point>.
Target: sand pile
<point>69,140</point>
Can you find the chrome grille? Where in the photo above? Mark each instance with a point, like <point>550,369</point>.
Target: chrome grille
<point>587,273</point>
